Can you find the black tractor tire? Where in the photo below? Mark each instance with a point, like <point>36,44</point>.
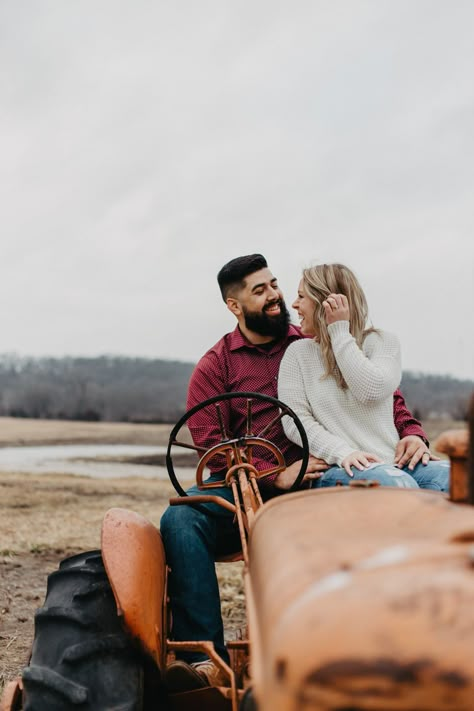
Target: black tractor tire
<point>248,702</point>
<point>82,657</point>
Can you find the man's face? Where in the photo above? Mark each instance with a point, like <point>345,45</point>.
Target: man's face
<point>262,305</point>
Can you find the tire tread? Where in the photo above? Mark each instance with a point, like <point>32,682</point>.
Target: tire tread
<point>82,655</point>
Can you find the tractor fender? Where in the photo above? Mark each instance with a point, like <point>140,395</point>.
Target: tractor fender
<point>134,558</point>
<point>362,598</point>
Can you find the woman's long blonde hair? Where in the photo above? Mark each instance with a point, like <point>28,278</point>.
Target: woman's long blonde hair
<point>320,281</point>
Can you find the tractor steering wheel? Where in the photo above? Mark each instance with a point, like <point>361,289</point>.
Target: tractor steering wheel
<point>237,450</point>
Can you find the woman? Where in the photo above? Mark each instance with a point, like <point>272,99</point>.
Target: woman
<point>340,383</point>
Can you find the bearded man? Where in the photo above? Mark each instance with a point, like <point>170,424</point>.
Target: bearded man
<point>247,359</point>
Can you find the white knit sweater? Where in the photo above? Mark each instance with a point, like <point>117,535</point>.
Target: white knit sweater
<point>339,421</point>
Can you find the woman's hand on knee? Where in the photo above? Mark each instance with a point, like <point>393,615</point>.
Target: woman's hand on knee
<point>359,460</point>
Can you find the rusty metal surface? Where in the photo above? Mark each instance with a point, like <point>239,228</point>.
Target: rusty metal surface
<point>239,452</point>
<point>458,445</point>
<point>458,481</point>
<point>134,559</point>
<point>455,444</point>
<point>364,602</point>
<point>239,658</point>
<point>11,698</point>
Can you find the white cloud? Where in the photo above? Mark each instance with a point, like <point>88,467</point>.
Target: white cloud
<point>142,147</point>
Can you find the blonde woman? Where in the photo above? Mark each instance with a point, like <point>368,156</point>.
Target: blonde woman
<point>340,381</point>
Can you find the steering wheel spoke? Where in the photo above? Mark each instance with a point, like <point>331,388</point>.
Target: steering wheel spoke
<point>274,470</point>
<point>271,424</point>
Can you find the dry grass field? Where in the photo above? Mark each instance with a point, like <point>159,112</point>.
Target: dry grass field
<point>17,431</point>
<point>44,518</point>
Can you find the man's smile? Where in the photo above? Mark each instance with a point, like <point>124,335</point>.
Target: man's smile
<point>273,308</point>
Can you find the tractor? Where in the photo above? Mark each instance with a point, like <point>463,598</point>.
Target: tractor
<point>358,598</point>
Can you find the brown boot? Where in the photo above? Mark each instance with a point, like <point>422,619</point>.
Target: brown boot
<point>182,677</point>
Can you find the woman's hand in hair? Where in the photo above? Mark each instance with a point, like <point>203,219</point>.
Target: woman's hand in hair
<point>359,460</point>
<point>336,308</point>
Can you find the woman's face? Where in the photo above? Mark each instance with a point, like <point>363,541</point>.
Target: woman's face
<point>305,309</point>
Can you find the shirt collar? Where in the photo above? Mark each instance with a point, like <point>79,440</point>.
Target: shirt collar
<point>238,340</point>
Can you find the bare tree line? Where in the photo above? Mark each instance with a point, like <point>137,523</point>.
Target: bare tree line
<point>109,388</point>
<point>118,389</point>
<point>431,396</point>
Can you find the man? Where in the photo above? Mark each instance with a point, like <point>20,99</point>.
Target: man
<point>246,359</point>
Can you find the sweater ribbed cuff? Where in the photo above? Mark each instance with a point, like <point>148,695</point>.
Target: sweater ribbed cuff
<point>338,328</point>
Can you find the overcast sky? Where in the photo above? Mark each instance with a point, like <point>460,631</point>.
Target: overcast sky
<point>144,144</point>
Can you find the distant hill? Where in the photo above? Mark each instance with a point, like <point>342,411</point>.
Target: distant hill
<point>116,389</point>
<point>432,396</point>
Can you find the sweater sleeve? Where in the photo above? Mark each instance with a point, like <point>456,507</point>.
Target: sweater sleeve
<point>291,391</point>
<point>373,376</point>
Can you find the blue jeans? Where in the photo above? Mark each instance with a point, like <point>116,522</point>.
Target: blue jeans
<point>434,475</point>
<point>193,538</point>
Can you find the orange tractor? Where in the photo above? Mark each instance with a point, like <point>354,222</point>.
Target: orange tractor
<point>362,601</point>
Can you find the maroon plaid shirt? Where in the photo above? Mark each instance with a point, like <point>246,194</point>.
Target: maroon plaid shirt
<point>234,364</point>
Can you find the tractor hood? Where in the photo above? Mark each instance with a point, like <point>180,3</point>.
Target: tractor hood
<point>362,599</point>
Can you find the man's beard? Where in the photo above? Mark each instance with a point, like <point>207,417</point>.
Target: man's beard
<point>265,325</point>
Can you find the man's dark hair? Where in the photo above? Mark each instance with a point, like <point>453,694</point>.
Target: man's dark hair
<point>234,272</point>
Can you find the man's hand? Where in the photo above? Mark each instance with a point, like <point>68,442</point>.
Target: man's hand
<point>411,449</point>
<point>286,478</point>
<point>359,460</point>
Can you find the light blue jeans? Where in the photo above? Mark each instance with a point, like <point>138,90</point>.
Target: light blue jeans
<point>434,475</point>
<point>194,537</point>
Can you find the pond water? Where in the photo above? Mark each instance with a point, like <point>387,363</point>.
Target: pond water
<point>85,459</point>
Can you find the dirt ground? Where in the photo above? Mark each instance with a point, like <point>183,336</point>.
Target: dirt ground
<point>44,518</point>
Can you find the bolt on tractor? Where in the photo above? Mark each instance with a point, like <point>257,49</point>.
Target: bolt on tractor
<point>358,598</point>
